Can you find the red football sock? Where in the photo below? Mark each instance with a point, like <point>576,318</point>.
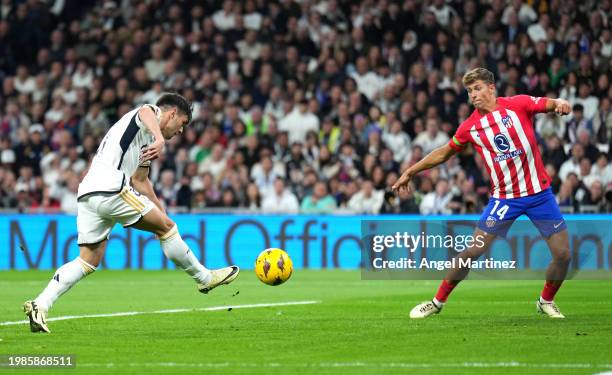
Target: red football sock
<point>549,291</point>
<point>444,290</point>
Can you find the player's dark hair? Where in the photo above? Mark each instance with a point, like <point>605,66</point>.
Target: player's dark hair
<point>171,99</point>
<point>478,74</point>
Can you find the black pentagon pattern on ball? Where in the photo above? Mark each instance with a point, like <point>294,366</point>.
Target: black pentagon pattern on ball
<point>266,267</point>
<point>277,281</point>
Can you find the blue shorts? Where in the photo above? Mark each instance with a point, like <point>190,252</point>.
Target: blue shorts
<point>541,208</point>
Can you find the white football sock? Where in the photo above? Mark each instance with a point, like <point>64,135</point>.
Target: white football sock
<point>178,252</point>
<point>63,279</point>
<point>437,303</point>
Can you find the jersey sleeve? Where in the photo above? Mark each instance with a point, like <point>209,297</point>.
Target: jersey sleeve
<point>529,104</point>
<point>461,137</point>
<point>155,109</point>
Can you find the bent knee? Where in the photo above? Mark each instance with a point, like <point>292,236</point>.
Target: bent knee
<point>563,256</point>
<point>168,225</point>
<point>475,252</point>
<point>168,228</point>
<point>88,267</point>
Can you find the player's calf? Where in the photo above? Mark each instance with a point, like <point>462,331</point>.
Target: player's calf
<point>179,253</point>
<point>177,250</point>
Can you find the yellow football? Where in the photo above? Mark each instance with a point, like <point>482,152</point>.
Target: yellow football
<point>273,266</point>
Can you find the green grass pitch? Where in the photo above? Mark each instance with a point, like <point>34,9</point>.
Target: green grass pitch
<point>358,326</point>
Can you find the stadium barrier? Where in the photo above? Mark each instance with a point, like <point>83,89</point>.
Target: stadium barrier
<point>321,241</point>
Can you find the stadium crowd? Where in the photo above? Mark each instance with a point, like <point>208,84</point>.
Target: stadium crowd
<point>299,106</point>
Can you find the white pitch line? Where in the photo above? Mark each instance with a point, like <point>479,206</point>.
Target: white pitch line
<point>512,364</point>
<point>170,311</point>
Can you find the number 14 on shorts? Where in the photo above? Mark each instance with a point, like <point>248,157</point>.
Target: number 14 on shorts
<point>501,212</point>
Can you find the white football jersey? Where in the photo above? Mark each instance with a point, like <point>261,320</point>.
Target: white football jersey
<point>118,155</point>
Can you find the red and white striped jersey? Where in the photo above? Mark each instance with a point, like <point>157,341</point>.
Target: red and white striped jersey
<point>506,141</point>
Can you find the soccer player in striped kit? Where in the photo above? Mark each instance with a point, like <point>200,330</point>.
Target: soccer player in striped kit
<point>502,132</point>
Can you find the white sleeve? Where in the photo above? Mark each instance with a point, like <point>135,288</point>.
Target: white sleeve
<point>141,125</point>
<point>155,109</point>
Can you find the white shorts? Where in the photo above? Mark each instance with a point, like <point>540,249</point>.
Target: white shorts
<point>98,213</point>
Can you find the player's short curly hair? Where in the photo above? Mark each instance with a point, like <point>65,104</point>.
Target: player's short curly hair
<point>172,99</point>
<point>478,74</point>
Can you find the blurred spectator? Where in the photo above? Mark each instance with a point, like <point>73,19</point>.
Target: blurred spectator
<point>554,152</point>
<point>572,165</point>
<point>603,169</point>
<point>602,123</point>
<point>397,141</point>
<point>524,12</point>
<point>329,135</point>
<point>228,198</point>
<point>280,200</point>
<point>66,192</point>
<point>366,200</point>
<point>225,19</point>
<point>595,197</point>
<point>166,189</point>
<point>431,138</point>
<point>24,82</point>
<point>550,124</point>
<point>95,122</point>
<point>253,198</point>
<point>298,122</point>
<point>368,82</point>
<point>215,163</point>
<point>589,102</point>
<point>590,150</point>
<point>585,172</point>
<point>319,202</point>
<point>437,202</point>
<point>156,64</point>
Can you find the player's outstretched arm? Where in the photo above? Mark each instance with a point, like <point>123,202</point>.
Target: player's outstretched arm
<point>559,106</point>
<point>434,158</point>
<point>142,184</point>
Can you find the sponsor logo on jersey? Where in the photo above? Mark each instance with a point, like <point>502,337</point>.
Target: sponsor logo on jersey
<point>502,143</point>
<point>509,155</point>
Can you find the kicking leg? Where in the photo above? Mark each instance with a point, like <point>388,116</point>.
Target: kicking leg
<point>454,276</point>
<point>178,252</point>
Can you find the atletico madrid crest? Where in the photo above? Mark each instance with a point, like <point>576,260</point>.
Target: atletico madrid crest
<point>507,121</point>
<point>490,222</point>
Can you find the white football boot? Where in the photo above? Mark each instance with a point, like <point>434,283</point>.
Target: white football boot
<point>37,316</point>
<point>550,309</point>
<point>219,277</point>
<point>425,309</point>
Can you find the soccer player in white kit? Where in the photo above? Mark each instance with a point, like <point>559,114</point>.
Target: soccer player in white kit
<point>117,189</point>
